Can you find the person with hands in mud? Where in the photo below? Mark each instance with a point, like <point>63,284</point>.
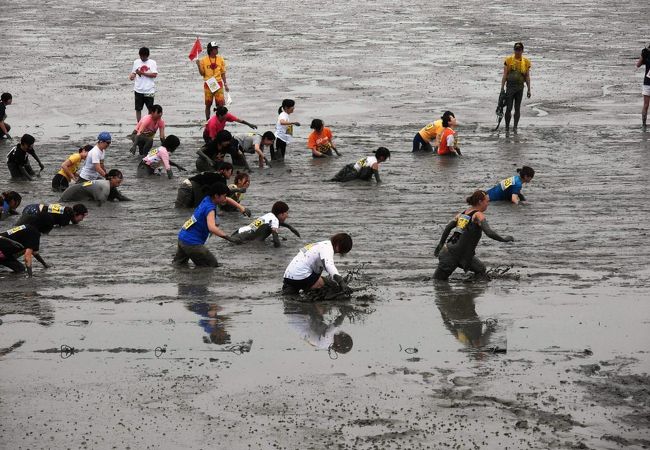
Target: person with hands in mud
<point>97,190</point>
<point>210,156</point>
<point>510,188</point>
<point>18,159</point>
<point>305,269</point>
<point>218,122</point>
<point>20,240</point>
<point>159,158</point>
<point>70,169</point>
<point>9,202</point>
<point>365,168</point>
<point>320,141</point>
<point>467,227</point>
<point>448,138</point>
<point>267,225</point>
<point>197,229</point>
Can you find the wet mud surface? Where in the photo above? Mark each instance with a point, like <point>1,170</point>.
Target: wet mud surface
<point>552,354</point>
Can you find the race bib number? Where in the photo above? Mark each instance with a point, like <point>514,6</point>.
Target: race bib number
<point>189,222</point>
<point>290,130</point>
<point>505,184</point>
<point>362,162</point>
<point>462,221</point>
<point>153,152</point>
<point>87,183</point>
<point>256,224</point>
<point>55,208</point>
<point>212,84</point>
<point>307,247</point>
<point>16,229</point>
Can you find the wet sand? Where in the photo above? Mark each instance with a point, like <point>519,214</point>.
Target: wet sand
<point>554,354</point>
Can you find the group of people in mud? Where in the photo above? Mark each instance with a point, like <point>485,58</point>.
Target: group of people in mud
<point>83,176</point>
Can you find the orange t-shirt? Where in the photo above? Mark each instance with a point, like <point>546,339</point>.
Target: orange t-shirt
<point>322,140</point>
<point>444,148</point>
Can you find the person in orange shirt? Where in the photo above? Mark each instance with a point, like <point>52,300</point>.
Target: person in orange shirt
<point>213,66</point>
<point>448,139</point>
<point>429,134</point>
<point>320,140</point>
<point>516,72</point>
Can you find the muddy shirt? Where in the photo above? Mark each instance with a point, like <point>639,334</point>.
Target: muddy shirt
<point>247,142</point>
<point>505,189</point>
<point>18,156</point>
<point>464,239</point>
<point>368,161</point>
<point>432,130</point>
<point>32,214</point>
<point>517,70</point>
<point>645,56</point>
<point>312,258</point>
<point>3,112</point>
<point>268,218</point>
<point>26,235</point>
<point>98,190</point>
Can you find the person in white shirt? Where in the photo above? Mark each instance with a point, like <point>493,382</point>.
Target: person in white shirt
<point>143,73</point>
<point>363,169</point>
<point>267,225</point>
<point>93,167</point>
<point>305,269</point>
<point>284,129</point>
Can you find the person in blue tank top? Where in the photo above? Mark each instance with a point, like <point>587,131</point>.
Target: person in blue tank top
<point>510,188</point>
<point>197,229</point>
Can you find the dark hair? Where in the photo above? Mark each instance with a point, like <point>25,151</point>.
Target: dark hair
<point>476,197</point>
<point>225,166</point>
<point>12,196</point>
<point>86,148</point>
<point>447,119</point>
<point>27,139</point>
<point>286,103</point>
<point>342,342</point>
<point>221,110</point>
<point>518,45</point>
<point>5,97</point>
<point>268,135</point>
<point>114,173</point>
<point>144,51</point>
<point>279,208</point>
<point>447,115</point>
<point>241,176</point>
<point>156,108</point>
<point>171,142</point>
<point>317,124</point>
<point>218,189</point>
<point>526,171</point>
<point>382,152</point>
<point>79,208</point>
<point>343,241</point>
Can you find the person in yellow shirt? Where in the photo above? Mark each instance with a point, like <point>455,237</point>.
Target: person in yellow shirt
<point>212,67</point>
<point>516,72</point>
<point>69,169</point>
<point>430,134</point>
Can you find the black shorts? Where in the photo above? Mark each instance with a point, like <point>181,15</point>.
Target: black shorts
<point>304,284</point>
<point>143,99</point>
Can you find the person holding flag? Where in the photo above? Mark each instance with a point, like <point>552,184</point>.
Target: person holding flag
<point>212,68</point>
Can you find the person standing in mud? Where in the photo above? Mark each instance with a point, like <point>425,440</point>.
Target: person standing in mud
<point>510,188</point>
<point>212,68</point>
<point>516,73</point>
<point>467,227</point>
<point>5,100</point>
<point>284,129</point>
<point>645,91</point>
<point>143,74</point>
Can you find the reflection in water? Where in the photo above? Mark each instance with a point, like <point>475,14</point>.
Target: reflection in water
<point>458,311</point>
<point>213,323</point>
<point>28,303</point>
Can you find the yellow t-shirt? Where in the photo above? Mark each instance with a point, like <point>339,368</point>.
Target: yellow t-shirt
<point>212,68</point>
<point>432,130</point>
<point>75,158</point>
<point>517,68</point>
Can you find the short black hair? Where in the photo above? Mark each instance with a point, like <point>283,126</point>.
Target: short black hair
<point>144,51</point>
<point>79,208</point>
<point>317,124</point>
<point>171,142</point>
<point>218,189</point>
<point>221,110</point>
<point>27,139</point>
<point>279,208</point>
<point>5,97</point>
<point>156,108</point>
<point>114,173</point>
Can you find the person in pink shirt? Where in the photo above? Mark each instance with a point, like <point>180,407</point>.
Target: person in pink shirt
<point>218,123</point>
<point>146,129</point>
<point>158,158</point>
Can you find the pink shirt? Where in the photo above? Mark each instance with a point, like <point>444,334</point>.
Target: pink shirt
<point>156,156</point>
<point>215,125</point>
<point>148,126</point>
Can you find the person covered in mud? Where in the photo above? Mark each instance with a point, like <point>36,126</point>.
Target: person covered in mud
<point>304,271</point>
<point>253,143</point>
<point>510,188</point>
<point>321,141</point>
<point>194,233</point>
<point>159,158</point>
<point>284,129</point>
<point>97,190</point>
<point>448,138</point>
<point>54,213</point>
<point>146,129</point>
<point>5,100</point>
<point>237,190</point>
<point>21,240</point>
<point>218,122</point>
<point>427,139</point>
<point>143,75</point>
<point>93,168</point>
<point>210,156</point>
<point>18,159</point>
<point>467,227</point>
<point>365,168</point>
<point>69,171</point>
<point>9,202</point>
<point>316,325</point>
<point>516,73</point>
<point>267,225</point>
<point>645,90</point>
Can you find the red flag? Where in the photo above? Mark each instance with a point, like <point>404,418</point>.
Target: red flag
<point>196,49</point>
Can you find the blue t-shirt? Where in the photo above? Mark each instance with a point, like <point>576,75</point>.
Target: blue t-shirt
<point>195,229</point>
<point>505,189</point>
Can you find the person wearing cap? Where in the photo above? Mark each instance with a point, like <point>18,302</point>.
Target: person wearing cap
<point>5,100</point>
<point>18,159</point>
<point>196,230</point>
<point>643,60</point>
<point>213,66</point>
<point>516,72</point>
<point>93,168</point>
<point>144,72</point>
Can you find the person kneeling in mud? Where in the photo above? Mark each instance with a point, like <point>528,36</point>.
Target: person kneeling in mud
<point>98,190</point>
<point>54,213</point>
<point>237,190</point>
<point>21,240</point>
<point>305,269</point>
<point>267,225</point>
<point>510,188</point>
<point>197,229</point>
<point>365,168</point>
<point>157,157</point>
<point>320,141</point>
<point>467,227</point>
<point>210,156</point>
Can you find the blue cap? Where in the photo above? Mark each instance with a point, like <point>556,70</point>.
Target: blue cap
<point>104,136</point>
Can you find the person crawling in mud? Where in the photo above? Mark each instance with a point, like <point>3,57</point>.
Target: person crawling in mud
<point>510,188</point>
<point>468,227</point>
<point>267,225</point>
<point>304,271</point>
<point>98,190</point>
<point>21,240</point>
<point>54,213</point>
<point>365,168</point>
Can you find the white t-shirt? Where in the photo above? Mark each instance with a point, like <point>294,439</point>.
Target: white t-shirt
<point>368,161</point>
<point>95,156</point>
<point>284,132</point>
<point>266,218</point>
<point>247,142</point>
<point>144,85</point>
<point>312,258</point>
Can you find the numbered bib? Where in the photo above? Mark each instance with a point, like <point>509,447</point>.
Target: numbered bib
<point>213,84</point>
<point>189,222</point>
<point>256,224</point>
<point>55,208</point>
<point>16,229</point>
<point>153,152</point>
<point>87,183</point>
<point>306,248</point>
<point>505,184</point>
<point>362,162</point>
<point>462,221</point>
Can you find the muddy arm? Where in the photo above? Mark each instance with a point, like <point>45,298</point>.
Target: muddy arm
<point>445,234</point>
<point>290,228</point>
<point>493,234</point>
